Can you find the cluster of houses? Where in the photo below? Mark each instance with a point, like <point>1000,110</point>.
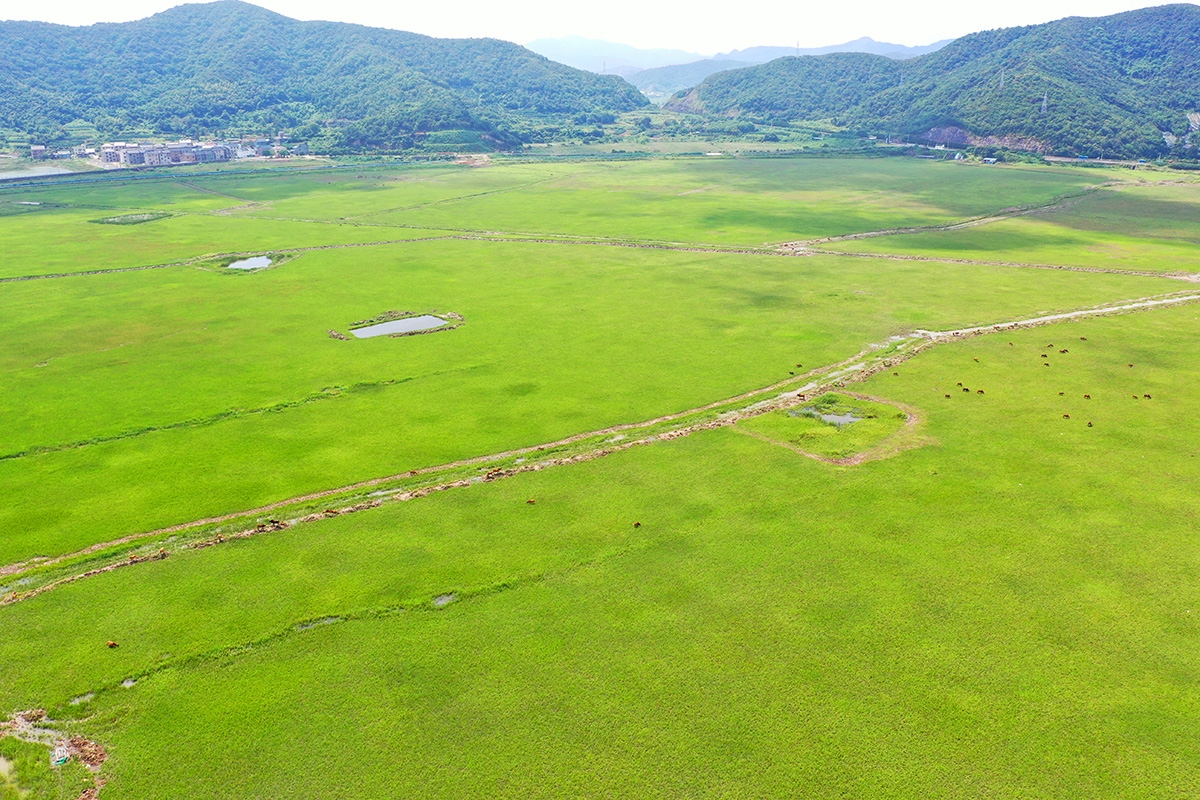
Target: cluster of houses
<point>185,151</point>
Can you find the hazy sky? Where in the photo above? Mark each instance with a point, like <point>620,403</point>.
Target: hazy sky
<point>720,27</point>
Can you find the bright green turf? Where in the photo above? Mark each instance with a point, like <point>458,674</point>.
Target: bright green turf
<point>1005,611</point>
<point>562,349</point>
<point>1152,228</point>
<point>1010,609</point>
<point>747,202</point>
<point>876,422</point>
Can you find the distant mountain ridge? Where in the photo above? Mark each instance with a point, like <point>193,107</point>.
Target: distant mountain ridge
<point>229,65</point>
<point>865,44</point>
<point>609,58</point>
<point>1122,85</point>
<point>661,73</point>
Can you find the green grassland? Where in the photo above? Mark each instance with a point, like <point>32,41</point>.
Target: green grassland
<point>1007,609</point>
<point>999,604</point>
<point>812,435</point>
<point>1154,228</point>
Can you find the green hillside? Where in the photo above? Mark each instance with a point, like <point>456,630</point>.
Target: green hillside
<point>1122,85</point>
<point>230,66</point>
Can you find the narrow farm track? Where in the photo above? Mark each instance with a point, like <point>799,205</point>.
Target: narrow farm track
<point>780,395</point>
<point>1056,204</point>
<point>1191,277</point>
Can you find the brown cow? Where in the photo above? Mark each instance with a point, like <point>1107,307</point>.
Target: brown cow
<point>637,524</point>
<point>1148,397</point>
<point>530,502</point>
<point>1066,416</point>
<point>1087,397</point>
<point>1089,424</point>
<point>112,645</point>
<point>965,389</point>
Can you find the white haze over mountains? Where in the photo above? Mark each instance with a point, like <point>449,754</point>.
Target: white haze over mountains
<point>597,55</point>
<point>692,28</point>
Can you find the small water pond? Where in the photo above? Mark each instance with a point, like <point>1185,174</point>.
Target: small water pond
<point>424,322</point>
<point>833,419</point>
<point>257,262</point>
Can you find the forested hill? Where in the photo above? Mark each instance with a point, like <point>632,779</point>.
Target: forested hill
<point>228,66</point>
<point>1122,85</point>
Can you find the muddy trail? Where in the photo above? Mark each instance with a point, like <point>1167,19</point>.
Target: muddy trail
<point>44,574</point>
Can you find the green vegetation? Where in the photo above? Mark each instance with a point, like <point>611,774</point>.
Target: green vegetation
<point>867,423</point>
<point>988,590</point>
<point>231,67</point>
<point>25,772</point>
<point>1132,227</point>
<point>1117,86</point>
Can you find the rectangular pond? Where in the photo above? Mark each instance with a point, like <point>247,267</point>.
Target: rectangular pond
<point>424,322</point>
<point>257,262</point>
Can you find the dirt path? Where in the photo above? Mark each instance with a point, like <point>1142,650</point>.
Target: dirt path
<point>781,395</point>
<point>1056,204</point>
<point>1191,277</point>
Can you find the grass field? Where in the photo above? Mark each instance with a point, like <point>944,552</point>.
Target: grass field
<point>996,602</point>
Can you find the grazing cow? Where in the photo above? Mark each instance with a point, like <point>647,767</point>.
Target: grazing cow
<point>637,524</point>
<point>799,365</point>
<point>530,501</point>
<point>800,396</point>
<point>1066,416</point>
<point>965,389</point>
<point>1060,394</point>
<point>1147,397</point>
<point>947,395</point>
<point>1135,397</point>
<point>111,645</point>
<point>221,538</point>
<point>1083,338</point>
<point>1045,356</point>
<point>977,361</point>
<point>1010,344</point>
<point>790,372</point>
<point>979,392</point>
<point>1050,345</point>
<point>1089,424</point>
<point>1131,365</point>
<point>959,383</point>
<point>1045,363</point>
<point>1064,350</point>
<point>896,374</point>
<point>1085,397</point>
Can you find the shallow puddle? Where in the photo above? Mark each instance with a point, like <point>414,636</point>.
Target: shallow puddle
<point>257,262</point>
<point>424,322</point>
<point>832,419</point>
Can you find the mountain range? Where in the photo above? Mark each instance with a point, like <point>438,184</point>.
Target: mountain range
<point>229,66</point>
<point>1123,85</point>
